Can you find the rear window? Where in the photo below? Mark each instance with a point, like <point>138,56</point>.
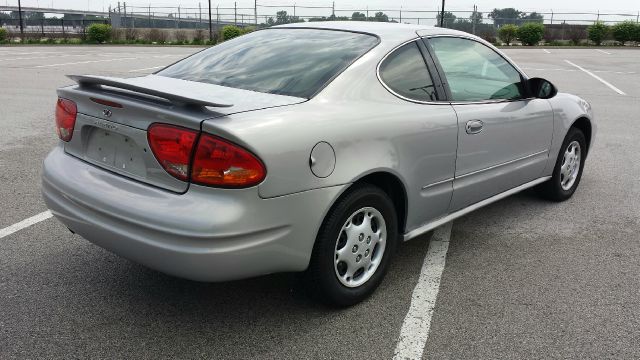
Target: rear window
<point>294,62</point>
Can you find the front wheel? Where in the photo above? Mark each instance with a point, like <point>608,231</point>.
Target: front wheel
<point>353,247</point>
<point>568,169</point>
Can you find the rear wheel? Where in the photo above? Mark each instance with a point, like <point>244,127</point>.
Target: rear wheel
<point>568,169</point>
<point>353,247</point>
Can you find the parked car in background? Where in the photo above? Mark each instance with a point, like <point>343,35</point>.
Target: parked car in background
<point>307,149</point>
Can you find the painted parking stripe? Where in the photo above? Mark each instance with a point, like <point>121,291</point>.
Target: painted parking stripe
<point>85,62</point>
<point>547,51</point>
<point>25,223</point>
<point>604,52</point>
<point>150,68</point>
<point>415,328</point>
<point>574,70</point>
<point>597,78</point>
<point>43,57</point>
<point>538,69</point>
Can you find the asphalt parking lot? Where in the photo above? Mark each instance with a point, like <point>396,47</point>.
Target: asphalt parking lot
<point>523,278</point>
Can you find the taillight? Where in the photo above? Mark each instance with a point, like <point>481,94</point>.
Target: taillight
<point>220,163</point>
<point>172,146</point>
<point>66,112</point>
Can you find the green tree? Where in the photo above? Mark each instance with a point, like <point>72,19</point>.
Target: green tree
<point>333,17</point>
<point>462,25</point>
<point>282,17</point>
<point>531,33</point>
<point>476,17</point>
<point>636,34</point>
<point>99,32</point>
<point>230,32</point>
<point>449,19</point>
<point>27,15</point>
<point>358,16</point>
<point>624,31</point>
<point>533,17</point>
<point>597,32</point>
<point>246,30</point>
<point>381,17</point>
<point>3,35</point>
<point>506,16</point>
<point>507,33</point>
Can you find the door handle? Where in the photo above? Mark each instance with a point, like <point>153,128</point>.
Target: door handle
<point>474,126</point>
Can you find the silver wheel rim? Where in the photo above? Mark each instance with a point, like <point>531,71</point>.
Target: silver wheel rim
<point>360,247</point>
<point>570,165</point>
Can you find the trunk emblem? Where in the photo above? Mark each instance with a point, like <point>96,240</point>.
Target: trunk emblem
<point>105,125</point>
<point>107,112</point>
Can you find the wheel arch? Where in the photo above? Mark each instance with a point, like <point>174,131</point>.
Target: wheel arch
<point>584,124</point>
<point>393,186</point>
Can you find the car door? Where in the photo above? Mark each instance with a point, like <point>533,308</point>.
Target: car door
<point>504,135</point>
<point>427,153</point>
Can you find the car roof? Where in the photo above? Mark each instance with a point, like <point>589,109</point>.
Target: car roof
<point>384,30</point>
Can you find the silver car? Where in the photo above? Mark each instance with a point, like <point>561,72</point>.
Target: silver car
<point>307,148</point>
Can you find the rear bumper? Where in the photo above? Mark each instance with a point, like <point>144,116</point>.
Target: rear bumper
<point>205,234</point>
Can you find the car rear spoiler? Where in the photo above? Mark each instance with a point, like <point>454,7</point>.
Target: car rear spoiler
<point>130,84</point>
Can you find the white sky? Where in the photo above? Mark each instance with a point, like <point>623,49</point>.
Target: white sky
<point>627,6</point>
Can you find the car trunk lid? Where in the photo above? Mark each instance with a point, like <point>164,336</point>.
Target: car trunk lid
<point>114,115</point>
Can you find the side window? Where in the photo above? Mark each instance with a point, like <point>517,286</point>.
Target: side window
<point>474,72</point>
<point>405,72</point>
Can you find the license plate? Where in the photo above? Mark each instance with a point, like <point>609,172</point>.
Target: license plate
<point>117,151</point>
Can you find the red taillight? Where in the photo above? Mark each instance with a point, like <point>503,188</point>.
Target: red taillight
<point>66,112</point>
<point>172,146</point>
<point>220,163</point>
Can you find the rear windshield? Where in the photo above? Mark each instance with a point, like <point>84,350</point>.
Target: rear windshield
<point>294,62</point>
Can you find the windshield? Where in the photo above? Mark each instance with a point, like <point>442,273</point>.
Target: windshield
<point>294,62</point>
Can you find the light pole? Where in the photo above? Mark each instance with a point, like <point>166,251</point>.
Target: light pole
<point>20,19</point>
<point>210,27</point>
<point>442,15</point>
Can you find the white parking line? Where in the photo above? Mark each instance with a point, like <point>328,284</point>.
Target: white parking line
<point>604,52</point>
<point>537,69</point>
<point>574,70</point>
<point>614,72</point>
<point>25,223</point>
<point>547,51</point>
<point>85,62</point>
<point>42,57</point>
<point>415,328</point>
<point>151,68</point>
<point>597,78</point>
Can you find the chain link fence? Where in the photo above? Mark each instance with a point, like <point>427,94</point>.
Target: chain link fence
<point>559,25</point>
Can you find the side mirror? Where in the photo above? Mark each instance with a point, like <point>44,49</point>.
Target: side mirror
<point>541,88</point>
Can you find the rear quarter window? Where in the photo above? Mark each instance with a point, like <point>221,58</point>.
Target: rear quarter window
<point>293,62</point>
<point>405,72</point>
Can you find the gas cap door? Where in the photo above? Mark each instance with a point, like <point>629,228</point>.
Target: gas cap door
<point>322,160</point>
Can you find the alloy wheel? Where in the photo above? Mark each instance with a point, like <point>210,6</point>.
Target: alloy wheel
<point>360,247</point>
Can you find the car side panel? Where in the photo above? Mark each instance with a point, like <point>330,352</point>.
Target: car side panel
<point>369,129</point>
<point>567,109</point>
<point>511,149</point>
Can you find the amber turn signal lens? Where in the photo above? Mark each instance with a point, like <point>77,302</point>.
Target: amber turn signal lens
<point>220,163</point>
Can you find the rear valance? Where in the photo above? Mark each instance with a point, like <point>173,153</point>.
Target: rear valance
<point>153,86</point>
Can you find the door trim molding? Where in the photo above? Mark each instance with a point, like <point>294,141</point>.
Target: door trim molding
<point>501,164</point>
<point>437,183</point>
<point>445,219</point>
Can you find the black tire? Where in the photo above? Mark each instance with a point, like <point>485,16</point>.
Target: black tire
<point>552,189</point>
<point>321,278</point>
